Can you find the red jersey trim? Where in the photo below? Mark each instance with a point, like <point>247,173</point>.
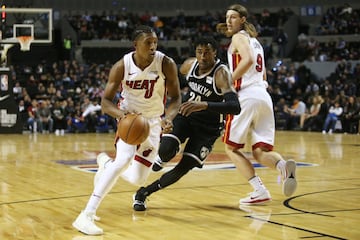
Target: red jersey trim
<point>235,61</point>
<point>225,138</point>
<point>263,145</point>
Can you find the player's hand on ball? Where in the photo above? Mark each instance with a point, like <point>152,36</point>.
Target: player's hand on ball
<point>166,125</point>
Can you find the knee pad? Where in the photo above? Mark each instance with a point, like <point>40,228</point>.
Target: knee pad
<point>169,147</point>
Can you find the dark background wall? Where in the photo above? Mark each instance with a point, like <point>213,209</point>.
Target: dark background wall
<point>171,7</point>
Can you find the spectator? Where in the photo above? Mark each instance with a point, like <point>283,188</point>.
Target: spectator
<point>45,120</point>
<point>76,123</point>
<point>297,109</point>
<point>59,117</point>
<point>68,48</point>
<point>33,117</point>
<point>22,111</point>
<point>331,118</point>
<point>17,90</point>
<point>280,114</point>
<point>89,109</point>
<point>32,86</point>
<point>351,116</point>
<point>102,122</point>
<point>346,10</point>
<point>310,120</point>
<point>51,90</point>
<point>281,39</point>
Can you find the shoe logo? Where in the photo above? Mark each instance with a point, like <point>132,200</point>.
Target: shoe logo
<point>132,73</point>
<point>4,97</point>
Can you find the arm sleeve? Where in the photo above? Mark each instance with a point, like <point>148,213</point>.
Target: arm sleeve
<point>230,105</point>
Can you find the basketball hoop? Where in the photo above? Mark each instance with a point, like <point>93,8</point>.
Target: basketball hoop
<point>25,42</point>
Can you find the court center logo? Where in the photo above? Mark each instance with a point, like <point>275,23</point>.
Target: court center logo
<point>214,161</point>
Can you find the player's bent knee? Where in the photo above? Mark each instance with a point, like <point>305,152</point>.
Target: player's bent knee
<point>169,147</point>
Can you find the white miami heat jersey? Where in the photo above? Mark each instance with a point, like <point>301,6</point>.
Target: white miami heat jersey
<point>143,91</point>
<point>254,76</point>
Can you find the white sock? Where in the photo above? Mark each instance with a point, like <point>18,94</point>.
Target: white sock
<point>256,183</point>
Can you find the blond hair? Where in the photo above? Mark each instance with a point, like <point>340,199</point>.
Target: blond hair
<point>243,12</point>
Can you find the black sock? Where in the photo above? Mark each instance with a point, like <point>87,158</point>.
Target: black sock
<point>153,187</point>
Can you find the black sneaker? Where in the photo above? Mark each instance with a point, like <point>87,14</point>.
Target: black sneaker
<point>139,200</point>
<point>158,164</point>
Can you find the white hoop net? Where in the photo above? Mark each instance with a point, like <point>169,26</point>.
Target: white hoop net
<point>25,42</point>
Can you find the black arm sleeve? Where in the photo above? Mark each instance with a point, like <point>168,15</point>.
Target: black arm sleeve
<point>231,105</point>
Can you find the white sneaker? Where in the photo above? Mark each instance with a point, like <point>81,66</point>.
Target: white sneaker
<point>101,159</point>
<point>289,179</point>
<point>323,132</point>
<point>85,224</point>
<point>256,198</point>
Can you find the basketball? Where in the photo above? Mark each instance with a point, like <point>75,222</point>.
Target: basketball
<point>133,128</point>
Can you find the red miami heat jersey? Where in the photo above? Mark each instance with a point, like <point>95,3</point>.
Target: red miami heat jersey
<point>143,91</point>
<point>254,76</point>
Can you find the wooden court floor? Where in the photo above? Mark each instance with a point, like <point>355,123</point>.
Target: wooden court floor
<point>45,181</point>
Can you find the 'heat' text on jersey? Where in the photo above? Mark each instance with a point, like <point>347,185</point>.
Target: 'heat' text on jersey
<point>148,85</point>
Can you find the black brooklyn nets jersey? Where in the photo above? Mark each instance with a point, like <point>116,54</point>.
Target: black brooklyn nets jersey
<point>203,88</point>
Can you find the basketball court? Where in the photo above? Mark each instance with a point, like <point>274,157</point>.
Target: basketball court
<point>46,181</point>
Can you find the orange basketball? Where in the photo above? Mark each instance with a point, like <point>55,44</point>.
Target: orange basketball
<point>133,128</point>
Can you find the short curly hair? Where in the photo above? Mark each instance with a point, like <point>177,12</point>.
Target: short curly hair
<point>205,41</point>
<point>140,30</point>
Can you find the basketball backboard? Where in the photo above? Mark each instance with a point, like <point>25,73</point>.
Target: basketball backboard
<point>33,22</point>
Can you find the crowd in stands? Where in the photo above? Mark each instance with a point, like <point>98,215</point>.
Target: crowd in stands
<point>340,20</point>
<point>64,96</point>
<point>304,102</point>
<point>337,20</point>
<point>119,26</point>
<point>309,49</point>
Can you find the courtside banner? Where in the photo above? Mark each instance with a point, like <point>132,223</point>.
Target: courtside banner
<point>10,121</point>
